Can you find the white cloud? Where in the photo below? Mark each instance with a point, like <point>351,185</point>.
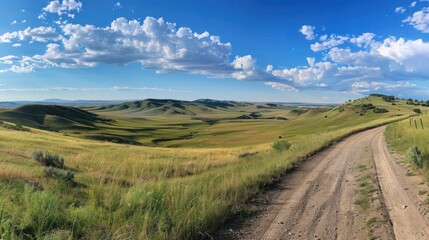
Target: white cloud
<point>305,76</point>
<point>23,10</point>
<point>42,16</point>
<point>39,34</point>
<point>364,40</point>
<point>61,7</point>
<point>364,86</point>
<point>117,5</point>
<point>328,42</point>
<point>9,59</point>
<point>346,62</point>
<point>246,67</point>
<point>308,32</point>
<point>16,45</point>
<point>155,43</point>
<point>281,86</point>
<point>400,10</point>
<point>413,4</point>
<point>13,22</point>
<point>383,66</point>
<point>419,20</point>
<point>24,21</point>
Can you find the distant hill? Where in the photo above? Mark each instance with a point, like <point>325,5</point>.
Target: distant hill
<point>159,107</point>
<point>71,103</point>
<point>52,117</point>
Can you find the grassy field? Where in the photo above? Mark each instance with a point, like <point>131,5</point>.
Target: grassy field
<point>407,134</point>
<point>137,192</point>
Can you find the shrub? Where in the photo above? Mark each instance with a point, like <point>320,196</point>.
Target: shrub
<point>417,110</point>
<point>281,145</point>
<point>380,110</point>
<point>65,175</point>
<point>414,156</point>
<point>48,159</point>
<point>388,98</point>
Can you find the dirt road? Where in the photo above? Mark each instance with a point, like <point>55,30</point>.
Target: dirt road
<point>353,190</point>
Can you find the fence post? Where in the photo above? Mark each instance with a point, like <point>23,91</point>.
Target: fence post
<point>421,121</point>
<point>415,123</point>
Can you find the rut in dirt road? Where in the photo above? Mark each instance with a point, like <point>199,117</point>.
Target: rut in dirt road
<point>319,200</point>
<point>405,209</point>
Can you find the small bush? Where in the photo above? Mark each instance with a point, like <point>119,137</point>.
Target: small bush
<point>380,110</point>
<point>417,110</point>
<point>48,159</point>
<point>65,175</point>
<point>281,145</point>
<point>414,156</point>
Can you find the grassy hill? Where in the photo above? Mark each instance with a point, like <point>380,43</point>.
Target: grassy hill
<point>169,107</point>
<point>51,117</point>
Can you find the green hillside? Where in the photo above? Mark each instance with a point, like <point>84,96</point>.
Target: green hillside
<point>51,117</point>
<point>168,107</point>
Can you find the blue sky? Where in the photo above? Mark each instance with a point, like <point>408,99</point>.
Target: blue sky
<point>307,51</point>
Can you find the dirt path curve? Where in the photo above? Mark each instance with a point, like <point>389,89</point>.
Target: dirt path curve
<point>405,208</point>
<point>318,201</point>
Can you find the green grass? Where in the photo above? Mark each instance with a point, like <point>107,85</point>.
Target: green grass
<point>403,136</point>
<point>366,189</point>
<point>138,192</point>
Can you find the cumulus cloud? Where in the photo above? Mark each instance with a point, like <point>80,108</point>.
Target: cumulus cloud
<point>308,32</point>
<point>13,22</point>
<point>281,86</point>
<point>246,67</point>
<point>9,59</point>
<point>117,5</point>
<point>39,34</point>
<point>419,20</point>
<point>61,7</point>
<point>327,42</point>
<point>155,43</point>
<point>364,86</point>
<point>386,65</point>
<point>364,40</point>
<point>356,64</point>
<point>400,10</point>
<point>413,4</point>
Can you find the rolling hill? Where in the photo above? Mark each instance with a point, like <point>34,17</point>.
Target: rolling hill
<point>52,117</point>
<point>168,107</point>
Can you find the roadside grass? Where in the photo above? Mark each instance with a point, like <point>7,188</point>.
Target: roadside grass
<point>402,138</point>
<point>137,192</point>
